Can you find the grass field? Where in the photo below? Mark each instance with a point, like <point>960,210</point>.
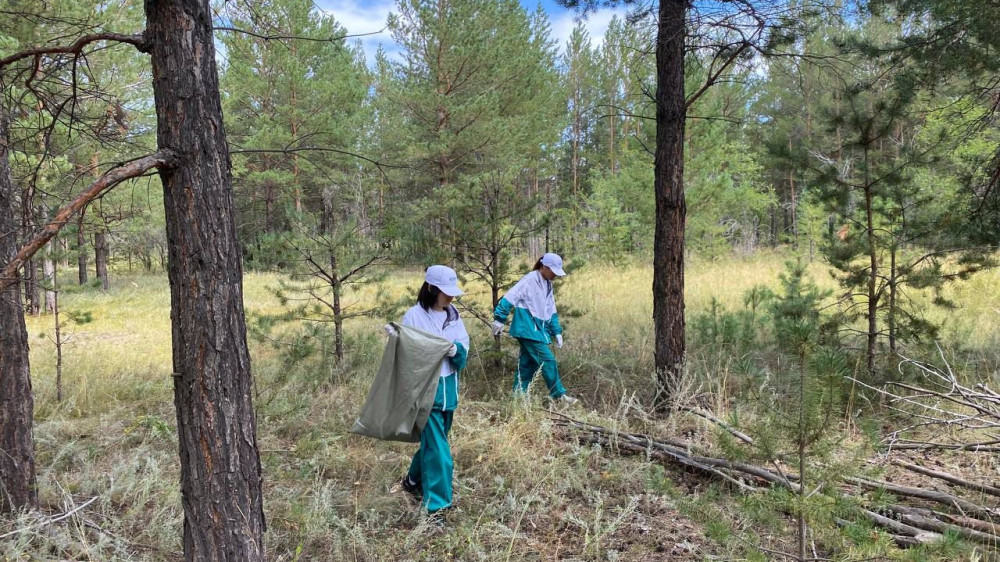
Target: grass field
<point>523,492</point>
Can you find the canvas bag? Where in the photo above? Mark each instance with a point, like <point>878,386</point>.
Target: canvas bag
<point>402,393</point>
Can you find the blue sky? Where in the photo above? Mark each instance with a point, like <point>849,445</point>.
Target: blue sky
<point>366,16</point>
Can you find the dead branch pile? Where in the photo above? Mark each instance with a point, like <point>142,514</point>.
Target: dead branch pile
<point>923,518</point>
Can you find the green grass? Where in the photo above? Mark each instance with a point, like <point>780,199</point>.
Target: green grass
<point>524,493</point>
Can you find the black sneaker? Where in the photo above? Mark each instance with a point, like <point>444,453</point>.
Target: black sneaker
<point>412,488</point>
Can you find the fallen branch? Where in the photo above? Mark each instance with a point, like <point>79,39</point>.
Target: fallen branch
<point>732,431</point>
<point>683,454</point>
<point>158,160</point>
<point>984,488</point>
<point>971,523</point>
<point>51,520</point>
<point>926,519</point>
<point>918,536</point>
<point>944,498</point>
<point>984,447</point>
<point>668,457</point>
<point>909,526</point>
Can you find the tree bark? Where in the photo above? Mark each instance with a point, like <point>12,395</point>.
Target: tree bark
<point>49,270</point>
<point>17,452</point>
<point>873,272</point>
<point>101,258</point>
<point>49,275</point>
<point>336,284</point>
<point>81,250</point>
<point>59,340</point>
<point>220,460</point>
<point>668,243</point>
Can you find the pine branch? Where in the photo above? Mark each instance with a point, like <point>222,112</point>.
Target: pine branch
<point>158,160</point>
<point>138,40</point>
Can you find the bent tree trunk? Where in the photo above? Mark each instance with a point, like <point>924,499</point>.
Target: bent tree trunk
<point>668,180</point>
<point>220,462</point>
<point>17,453</point>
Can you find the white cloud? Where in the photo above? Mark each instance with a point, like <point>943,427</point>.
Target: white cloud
<point>596,24</point>
<point>368,17</point>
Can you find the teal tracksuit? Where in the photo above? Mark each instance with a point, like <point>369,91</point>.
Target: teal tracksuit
<point>432,465</point>
<point>534,325</point>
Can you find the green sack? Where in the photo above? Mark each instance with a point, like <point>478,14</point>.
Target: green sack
<point>402,393</point>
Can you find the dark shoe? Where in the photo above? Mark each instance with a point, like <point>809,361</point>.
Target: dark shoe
<point>412,488</point>
<point>440,517</point>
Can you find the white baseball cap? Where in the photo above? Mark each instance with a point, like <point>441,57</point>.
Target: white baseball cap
<point>444,278</point>
<point>553,262</point>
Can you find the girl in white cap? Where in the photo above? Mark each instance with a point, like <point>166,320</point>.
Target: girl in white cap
<point>535,325</point>
<point>430,474</point>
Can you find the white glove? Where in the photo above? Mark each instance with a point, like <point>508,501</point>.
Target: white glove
<point>559,341</point>
<point>453,351</point>
<point>389,329</point>
<point>497,327</point>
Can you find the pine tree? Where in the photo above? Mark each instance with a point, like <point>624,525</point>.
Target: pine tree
<point>476,97</point>
<point>294,112</point>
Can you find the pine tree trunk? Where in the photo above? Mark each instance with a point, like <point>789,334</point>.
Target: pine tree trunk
<point>338,316</point>
<point>575,164</point>
<point>220,461</point>
<point>101,258</point>
<point>891,319</point>
<point>17,461</point>
<point>330,227</point>
<point>548,209</point>
<point>49,273</point>
<point>59,341</point>
<point>81,250</point>
<point>668,242</point>
<point>873,273</point>
<point>802,458</point>
<point>31,295</point>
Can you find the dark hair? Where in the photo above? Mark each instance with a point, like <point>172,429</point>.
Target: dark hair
<point>428,296</point>
<point>538,265</point>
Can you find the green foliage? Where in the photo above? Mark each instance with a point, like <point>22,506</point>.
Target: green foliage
<point>298,106</point>
<point>475,106</point>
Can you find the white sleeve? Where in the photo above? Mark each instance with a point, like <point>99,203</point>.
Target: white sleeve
<point>408,319</point>
<point>516,292</point>
<point>463,335</point>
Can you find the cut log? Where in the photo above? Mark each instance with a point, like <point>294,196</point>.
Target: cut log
<point>984,488</point>
<point>925,519</point>
<point>944,498</point>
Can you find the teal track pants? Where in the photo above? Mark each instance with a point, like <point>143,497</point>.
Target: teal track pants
<point>432,465</point>
<point>535,355</point>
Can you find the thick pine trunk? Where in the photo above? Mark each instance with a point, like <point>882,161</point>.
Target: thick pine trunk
<point>220,461</point>
<point>17,452</point>
<point>101,258</point>
<point>668,243</point>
